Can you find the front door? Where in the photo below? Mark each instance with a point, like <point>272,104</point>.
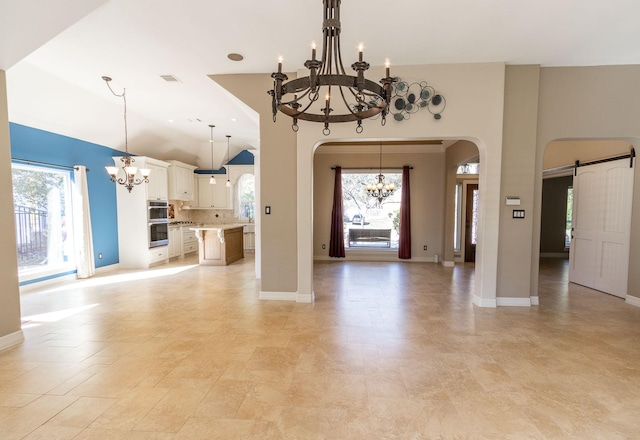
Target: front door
<point>471,223</point>
<point>599,251</point>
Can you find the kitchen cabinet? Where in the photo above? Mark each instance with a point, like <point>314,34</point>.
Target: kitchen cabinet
<point>133,221</point>
<point>180,181</point>
<point>249,232</point>
<point>212,196</point>
<point>157,188</point>
<point>189,240</point>
<point>175,241</point>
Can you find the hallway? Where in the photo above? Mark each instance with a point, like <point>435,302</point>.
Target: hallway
<point>387,350</point>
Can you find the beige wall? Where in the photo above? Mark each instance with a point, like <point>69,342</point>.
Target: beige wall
<point>427,197</point>
<point>562,153</point>
<point>589,103</point>
<point>518,171</point>
<point>10,331</point>
<point>277,176</point>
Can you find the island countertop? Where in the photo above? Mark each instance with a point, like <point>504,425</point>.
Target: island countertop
<point>221,227</point>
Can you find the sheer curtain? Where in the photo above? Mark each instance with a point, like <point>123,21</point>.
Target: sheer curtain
<point>336,242</point>
<point>82,236</point>
<point>404,247</point>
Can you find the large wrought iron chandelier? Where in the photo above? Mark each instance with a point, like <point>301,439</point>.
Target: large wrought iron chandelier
<point>130,177</point>
<point>356,97</point>
<point>380,190</point>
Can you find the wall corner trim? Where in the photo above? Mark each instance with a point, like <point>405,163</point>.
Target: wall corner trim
<point>535,300</point>
<point>304,297</point>
<point>632,300</point>
<point>11,339</point>
<point>514,302</point>
<point>484,302</point>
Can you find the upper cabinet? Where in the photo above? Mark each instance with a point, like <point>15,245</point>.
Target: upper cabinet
<point>180,181</point>
<point>212,196</point>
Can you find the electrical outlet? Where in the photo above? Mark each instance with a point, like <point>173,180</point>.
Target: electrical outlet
<point>324,246</point>
<point>100,256</point>
<point>424,248</point>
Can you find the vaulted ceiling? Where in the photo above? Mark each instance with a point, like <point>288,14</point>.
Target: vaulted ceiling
<point>55,54</point>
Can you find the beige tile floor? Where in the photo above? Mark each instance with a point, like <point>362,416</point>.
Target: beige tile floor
<point>387,351</point>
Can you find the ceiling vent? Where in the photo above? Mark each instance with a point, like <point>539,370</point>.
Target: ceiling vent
<point>169,78</point>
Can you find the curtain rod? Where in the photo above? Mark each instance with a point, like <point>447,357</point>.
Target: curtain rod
<point>372,168</point>
<point>17,159</point>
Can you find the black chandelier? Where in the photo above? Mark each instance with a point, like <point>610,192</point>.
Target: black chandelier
<point>359,98</point>
<point>380,190</point>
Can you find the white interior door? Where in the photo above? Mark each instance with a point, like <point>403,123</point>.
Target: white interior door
<point>599,253</point>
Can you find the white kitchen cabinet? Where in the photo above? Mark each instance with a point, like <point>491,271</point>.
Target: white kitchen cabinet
<point>180,181</point>
<point>189,240</point>
<point>133,222</point>
<point>175,241</point>
<point>249,232</point>
<point>212,196</point>
<point>157,188</point>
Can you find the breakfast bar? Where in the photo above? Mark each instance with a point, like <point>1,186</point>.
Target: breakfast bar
<point>219,245</point>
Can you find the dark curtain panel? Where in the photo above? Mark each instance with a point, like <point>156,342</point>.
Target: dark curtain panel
<point>404,247</point>
<point>336,242</point>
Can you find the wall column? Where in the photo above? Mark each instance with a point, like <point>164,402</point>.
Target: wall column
<point>10,326</point>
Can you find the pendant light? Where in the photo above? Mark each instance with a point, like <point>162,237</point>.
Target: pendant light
<point>380,190</point>
<point>130,178</point>
<point>227,167</point>
<point>212,179</point>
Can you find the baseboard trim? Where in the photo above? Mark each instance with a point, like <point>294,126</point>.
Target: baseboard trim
<point>305,297</point>
<point>535,300</point>
<point>513,302</point>
<point>633,300</point>
<point>109,268</point>
<point>449,263</point>
<point>11,339</point>
<point>484,302</point>
<point>279,296</point>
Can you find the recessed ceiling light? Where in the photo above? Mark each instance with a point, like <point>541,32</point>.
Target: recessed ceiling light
<point>235,57</point>
<point>233,119</point>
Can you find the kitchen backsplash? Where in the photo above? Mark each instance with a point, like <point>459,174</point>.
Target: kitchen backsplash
<point>204,216</point>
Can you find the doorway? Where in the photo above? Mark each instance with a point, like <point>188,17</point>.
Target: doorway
<point>471,223</point>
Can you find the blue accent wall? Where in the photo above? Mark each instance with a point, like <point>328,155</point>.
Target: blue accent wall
<point>43,146</point>
<point>242,158</point>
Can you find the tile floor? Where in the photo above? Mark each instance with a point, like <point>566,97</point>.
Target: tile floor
<point>387,351</point>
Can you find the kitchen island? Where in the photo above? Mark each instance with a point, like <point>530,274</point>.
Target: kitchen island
<point>219,245</point>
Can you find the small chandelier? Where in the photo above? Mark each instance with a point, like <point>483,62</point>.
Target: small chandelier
<point>380,190</point>
<point>130,179</point>
<point>227,167</point>
<point>358,98</point>
<point>212,179</point>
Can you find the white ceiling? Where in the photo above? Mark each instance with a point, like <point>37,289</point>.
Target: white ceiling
<point>55,54</point>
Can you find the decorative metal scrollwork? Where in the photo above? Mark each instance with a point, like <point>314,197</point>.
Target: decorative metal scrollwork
<point>407,99</point>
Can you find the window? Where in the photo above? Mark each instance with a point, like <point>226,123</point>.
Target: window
<point>246,188</point>
<point>361,211</point>
<point>42,209</point>
<point>469,168</point>
<point>568,218</point>
<point>457,229</point>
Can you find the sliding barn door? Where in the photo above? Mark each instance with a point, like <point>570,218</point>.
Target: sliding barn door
<point>599,252</point>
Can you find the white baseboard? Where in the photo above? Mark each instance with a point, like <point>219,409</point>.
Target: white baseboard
<point>305,297</point>
<point>279,296</point>
<point>11,339</point>
<point>482,302</point>
<point>535,300</point>
<point>45,283</point>
<point>513,302</point>
<point>633,300</point>
<point>449,263</point>
<point>109,268</point>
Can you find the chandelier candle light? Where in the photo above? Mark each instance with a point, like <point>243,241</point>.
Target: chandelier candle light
<point>357,97</point>
<point>380,190</point>
<point>130,179</point>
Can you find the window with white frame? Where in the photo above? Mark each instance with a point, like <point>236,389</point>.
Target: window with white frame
<point>43,216</point>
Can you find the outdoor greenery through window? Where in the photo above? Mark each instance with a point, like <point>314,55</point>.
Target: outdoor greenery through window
<point>246,196</point>
<point>42,209</point>
<point>569,216</point>
<point>378,223</point>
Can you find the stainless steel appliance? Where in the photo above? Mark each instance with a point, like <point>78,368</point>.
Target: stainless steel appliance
<point>158,221</point>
